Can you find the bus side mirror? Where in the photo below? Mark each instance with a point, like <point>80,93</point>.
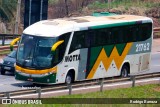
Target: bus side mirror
<point>54,47</point>
<point>13,43</point>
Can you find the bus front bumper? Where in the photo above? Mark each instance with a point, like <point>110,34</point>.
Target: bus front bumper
<point>43,79</point>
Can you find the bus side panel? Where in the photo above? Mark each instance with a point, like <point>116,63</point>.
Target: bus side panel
<point>108,60</point>
<point>82,64</point>
<point>136,63</point>
<point>141,52</point>
<point>145,62</point>
<point>74,61</point>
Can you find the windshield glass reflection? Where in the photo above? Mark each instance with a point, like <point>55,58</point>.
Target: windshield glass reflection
<point>35,51</point>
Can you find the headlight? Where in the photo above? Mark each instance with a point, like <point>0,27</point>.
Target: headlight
<point>17,71</point>
<point>1,61</point>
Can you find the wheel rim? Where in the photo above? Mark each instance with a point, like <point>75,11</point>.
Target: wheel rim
<point>68,79</point>
<point>124,73</point>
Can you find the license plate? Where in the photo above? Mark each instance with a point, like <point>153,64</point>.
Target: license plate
<point>7,68</point>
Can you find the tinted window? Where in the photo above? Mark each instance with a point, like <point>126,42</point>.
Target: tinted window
<point>60,51</point>
<point>114,35</point>
<point>145,31</point>
<point>80,40</point>
<point>102,37</point>
<point>132,33</point>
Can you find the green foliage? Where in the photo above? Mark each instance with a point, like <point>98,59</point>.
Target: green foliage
<point>7,9</point>
<point>150,5</point>
<point>98,4</point>
<point>147,91</point>
<point>85,105</point>
<point>123,3</point>
<point>51,2</point>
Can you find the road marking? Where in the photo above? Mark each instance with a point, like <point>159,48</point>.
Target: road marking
<point>1,84</point>
<point>156,65</point>
<point>90,87</point>
<point>153,53</point>
<point>156,40</point>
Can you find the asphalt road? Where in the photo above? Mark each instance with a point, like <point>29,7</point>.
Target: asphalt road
<point>8,83</point>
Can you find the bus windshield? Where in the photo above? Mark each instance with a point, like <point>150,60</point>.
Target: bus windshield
<point>35,52</point>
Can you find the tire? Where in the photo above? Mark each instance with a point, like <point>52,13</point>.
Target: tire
<point>14,72</point>
<point>69,78</point>
<point>124,71</point>
<point>2,72</point>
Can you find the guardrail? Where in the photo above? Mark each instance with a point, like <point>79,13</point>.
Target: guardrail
<point>6,49</point>
<point>156,32</point>
<point>100,82</point>
<point>4,37</point>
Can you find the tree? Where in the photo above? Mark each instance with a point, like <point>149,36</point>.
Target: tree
<point>7,9</point>
<point>66,7</point>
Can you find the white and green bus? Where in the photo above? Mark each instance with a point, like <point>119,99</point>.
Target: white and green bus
<point>82,48</point>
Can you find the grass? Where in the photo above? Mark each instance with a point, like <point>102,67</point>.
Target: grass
<point>88,105</point>
<point>147,91</point>
<point>124,3</point>
<point>51,2</point>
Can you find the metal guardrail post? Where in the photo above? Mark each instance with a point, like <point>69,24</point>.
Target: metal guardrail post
<point>7,94</point>
<point>133,80</point>
<point>3,37</point>
<point>70,89</point>
<point>3,40</point>
<point>101,85</point>
<point>38,90</point>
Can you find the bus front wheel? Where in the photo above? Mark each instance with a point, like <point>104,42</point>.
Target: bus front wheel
<point>124,71</point>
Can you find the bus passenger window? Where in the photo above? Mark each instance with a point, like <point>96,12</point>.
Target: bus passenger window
<point>125,35</point>
<point>133,31</point>
<point>118,35</point>
<point>100,37</point>
<point>145,31</point>
<point>79,41</point>
<point>92,36</point>
<point>114,35</point>
<point>63,46</point>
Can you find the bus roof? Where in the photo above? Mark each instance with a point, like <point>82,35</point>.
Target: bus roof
<point>56,27</point>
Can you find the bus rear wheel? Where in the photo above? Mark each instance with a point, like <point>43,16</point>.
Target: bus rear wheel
<point>124,71</point>
<point>69,78</point>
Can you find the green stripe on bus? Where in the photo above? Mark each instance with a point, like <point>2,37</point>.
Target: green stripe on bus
<point>108,49</point>
<point>95,51</point>
<point>120,48</point>
<point>112,25</point>
<point>46,79</point>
